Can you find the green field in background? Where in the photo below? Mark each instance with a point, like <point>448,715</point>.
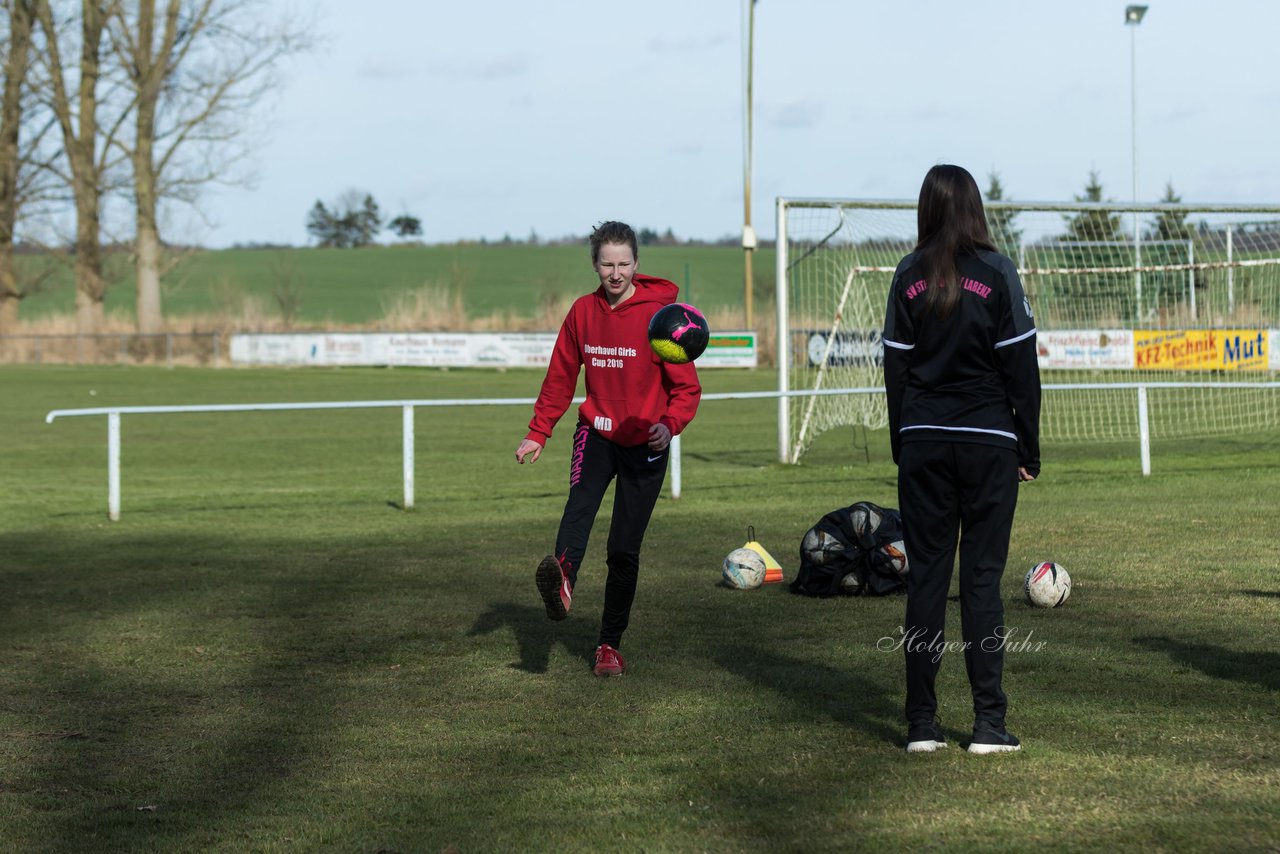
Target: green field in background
<point>354,285</point>
<point>267,653</point>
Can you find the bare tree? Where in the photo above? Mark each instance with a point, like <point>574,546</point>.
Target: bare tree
<point>26,148</point>
<point>16,63</point>
<point>87,142</point>
<point>195,72</point>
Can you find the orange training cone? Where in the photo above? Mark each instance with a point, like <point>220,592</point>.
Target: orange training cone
<point>772,569</point>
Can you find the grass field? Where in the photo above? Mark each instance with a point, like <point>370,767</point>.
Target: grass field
<point>341,286</point>
<point>265,653</point>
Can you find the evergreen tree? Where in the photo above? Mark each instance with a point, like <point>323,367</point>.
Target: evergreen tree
<point>1172,225</point>
<point>406,225</point>
<point>1094,225</point>
<point>323,225</point>
<point>367,222</point>
<point>1006,236</point>
<point>1099,226</point>
<point>349,223</point>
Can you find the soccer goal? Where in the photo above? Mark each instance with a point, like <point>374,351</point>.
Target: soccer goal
<point>1163,315</point>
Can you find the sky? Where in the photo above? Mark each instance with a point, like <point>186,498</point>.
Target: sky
<point>486,119</point>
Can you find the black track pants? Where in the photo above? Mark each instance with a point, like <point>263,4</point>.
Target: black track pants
<point>640,473</point>
<point>948,490</point>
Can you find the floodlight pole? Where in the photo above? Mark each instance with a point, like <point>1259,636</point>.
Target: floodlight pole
<point>1132,17</point>
<point>748,233</point>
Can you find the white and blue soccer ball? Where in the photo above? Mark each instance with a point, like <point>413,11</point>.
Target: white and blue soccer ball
<point>743,569</point>
<point>821,547</point>
<point>1047,585</point>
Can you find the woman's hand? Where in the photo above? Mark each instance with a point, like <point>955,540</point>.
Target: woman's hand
<point>659,437</point>
<point>527,447</point>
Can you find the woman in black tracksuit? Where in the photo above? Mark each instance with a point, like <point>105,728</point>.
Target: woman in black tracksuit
<point>963,390</point>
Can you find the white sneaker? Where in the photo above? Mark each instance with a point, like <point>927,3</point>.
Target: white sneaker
<point>989,738</point>
<point>925,738</point>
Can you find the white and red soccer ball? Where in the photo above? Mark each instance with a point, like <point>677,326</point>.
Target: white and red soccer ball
<point>1047,585</point>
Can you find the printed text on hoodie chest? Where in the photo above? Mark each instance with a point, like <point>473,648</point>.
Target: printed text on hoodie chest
<point>607,357</point>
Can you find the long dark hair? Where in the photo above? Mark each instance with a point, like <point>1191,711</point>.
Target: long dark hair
<point>950,221</point>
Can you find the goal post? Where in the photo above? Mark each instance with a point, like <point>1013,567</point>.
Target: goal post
<point>1188,302</point>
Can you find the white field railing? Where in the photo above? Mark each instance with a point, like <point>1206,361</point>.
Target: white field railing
<point>407,407</point>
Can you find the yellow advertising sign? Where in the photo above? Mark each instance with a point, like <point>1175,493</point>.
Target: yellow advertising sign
<point>1200,350</point>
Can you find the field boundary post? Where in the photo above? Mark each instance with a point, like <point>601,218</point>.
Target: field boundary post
<point>675,467</point>
<point>1144,431</point>
<point>408,462</point>
<point>113,466</point>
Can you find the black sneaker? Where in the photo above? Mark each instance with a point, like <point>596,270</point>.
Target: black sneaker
<point>992,738</point>
<point>925,737</point>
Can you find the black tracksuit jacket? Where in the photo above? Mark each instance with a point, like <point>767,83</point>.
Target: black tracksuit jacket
<point>972,377</point>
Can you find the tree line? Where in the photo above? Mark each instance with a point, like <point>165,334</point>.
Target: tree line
<point>352,222</point>
<point>1094,237</point>
<point>355,219</point>
<point>135,101</point>
<point>1094,225</point>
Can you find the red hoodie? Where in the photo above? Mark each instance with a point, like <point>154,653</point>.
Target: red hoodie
<point>628,387</point>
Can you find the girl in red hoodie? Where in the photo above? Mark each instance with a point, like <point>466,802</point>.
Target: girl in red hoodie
<point>635,404</point>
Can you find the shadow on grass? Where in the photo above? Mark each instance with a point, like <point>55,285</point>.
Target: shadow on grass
<point>1255,668</point>
<point>194,504</point>
<point>249,683</point>
<point>133,725</point>
<point>751,458</point>
<point>536,635</point>
<point>237,683</point>
<point>819,689</point>
<point>1263,594</point>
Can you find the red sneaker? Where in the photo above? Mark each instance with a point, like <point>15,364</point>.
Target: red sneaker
<point>609,661</point>
<point>553,584</point>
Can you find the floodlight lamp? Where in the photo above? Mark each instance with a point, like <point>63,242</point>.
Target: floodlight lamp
<point>1133,14</point>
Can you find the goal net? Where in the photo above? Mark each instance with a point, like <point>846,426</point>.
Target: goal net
<point>1183,299</point>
